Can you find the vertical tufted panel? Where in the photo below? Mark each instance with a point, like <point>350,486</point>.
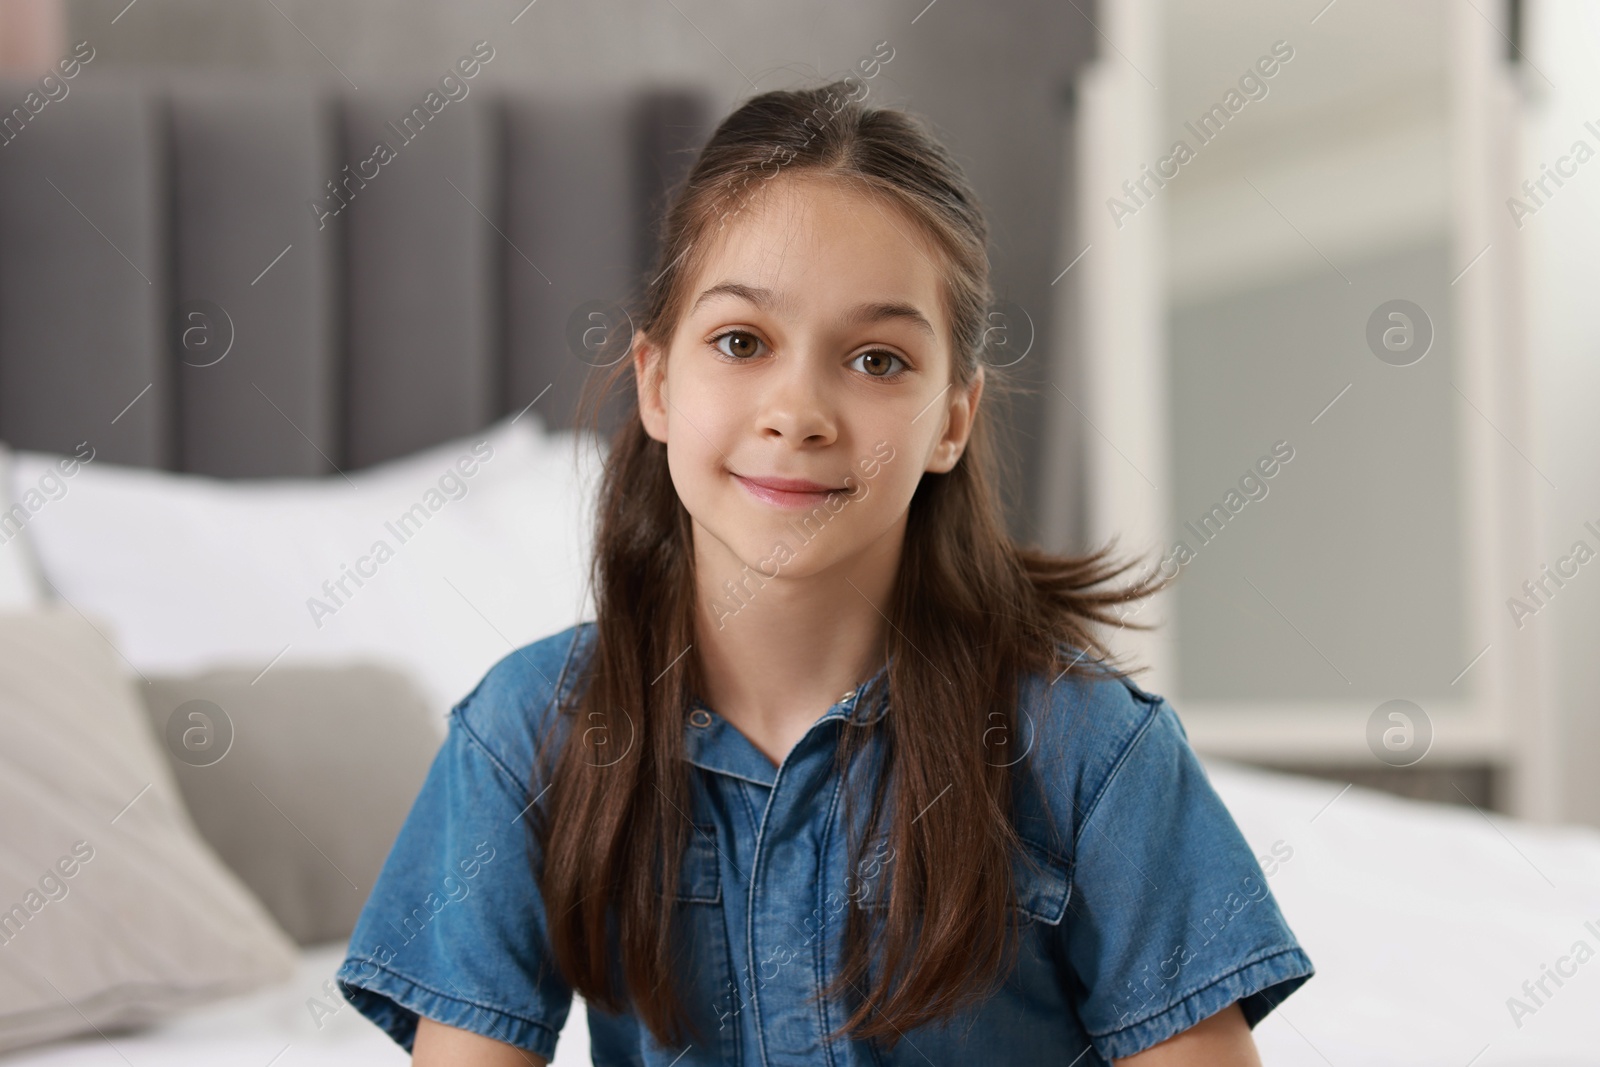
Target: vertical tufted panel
<point>422,301</point>
<point>422,272</point>
<point>669,126</point>
<point>245,160</point>
<point>586,182</point>
<point>567,260</point>
<point>83,284</point>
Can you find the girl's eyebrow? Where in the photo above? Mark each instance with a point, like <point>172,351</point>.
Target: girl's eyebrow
<point>860,315</point>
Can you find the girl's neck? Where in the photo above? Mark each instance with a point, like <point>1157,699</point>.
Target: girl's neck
<point>776,652</point>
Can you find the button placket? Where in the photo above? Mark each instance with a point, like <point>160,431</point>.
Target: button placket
<point>779,952</point>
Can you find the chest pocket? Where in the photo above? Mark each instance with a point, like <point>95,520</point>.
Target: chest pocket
<point>1042,887</point>
<point>1042,893</point>
<point>700,871</point>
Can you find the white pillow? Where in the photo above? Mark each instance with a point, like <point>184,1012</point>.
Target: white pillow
<point>113,911</point>
<point>196,572</point>
<point>19,585</point>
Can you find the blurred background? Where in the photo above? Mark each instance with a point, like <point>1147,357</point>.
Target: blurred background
<point>1298,298</point>
<point>1167,333</point>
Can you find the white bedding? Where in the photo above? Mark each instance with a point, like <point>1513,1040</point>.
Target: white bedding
<point>1422,920</point>
<point>286,1026</point>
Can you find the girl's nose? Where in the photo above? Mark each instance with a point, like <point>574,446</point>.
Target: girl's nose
<point>798,403</point>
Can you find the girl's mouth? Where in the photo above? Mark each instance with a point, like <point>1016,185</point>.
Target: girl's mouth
<point>786,492</point>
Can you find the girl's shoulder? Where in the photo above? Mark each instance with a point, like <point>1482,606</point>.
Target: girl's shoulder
<point>1090,728</point>
<point>1167,917</point>
<point>513,705</point>
<point>1098,705</point>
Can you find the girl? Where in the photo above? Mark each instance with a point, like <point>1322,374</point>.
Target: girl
<point>990,845</point>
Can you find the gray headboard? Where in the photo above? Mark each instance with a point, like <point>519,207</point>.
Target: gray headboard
<point>145,224</point>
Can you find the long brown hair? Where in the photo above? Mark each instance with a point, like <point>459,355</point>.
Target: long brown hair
<point>967,599</point>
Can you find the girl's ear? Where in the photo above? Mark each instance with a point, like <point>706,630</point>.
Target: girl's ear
<point>959,418</point>
<point>648,365</point>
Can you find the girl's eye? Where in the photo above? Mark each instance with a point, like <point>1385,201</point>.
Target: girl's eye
<point>744,344</point>
<point>880,358</point>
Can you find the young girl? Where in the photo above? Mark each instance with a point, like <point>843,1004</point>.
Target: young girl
<point>840,774</point>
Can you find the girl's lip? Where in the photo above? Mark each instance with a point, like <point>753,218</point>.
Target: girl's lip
<point>785,492</point>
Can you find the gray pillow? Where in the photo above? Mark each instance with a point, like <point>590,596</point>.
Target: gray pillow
<point>113,911</point>
<point>299,778</point>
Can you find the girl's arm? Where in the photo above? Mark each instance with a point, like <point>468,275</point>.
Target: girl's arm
<point>438,1045</point>
<point>1223,1040</point>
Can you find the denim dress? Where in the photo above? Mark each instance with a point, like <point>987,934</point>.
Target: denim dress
<point>1142,912</point>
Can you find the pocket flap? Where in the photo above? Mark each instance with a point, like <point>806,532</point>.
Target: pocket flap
<point>1042,891</point>
<point>700,870</point>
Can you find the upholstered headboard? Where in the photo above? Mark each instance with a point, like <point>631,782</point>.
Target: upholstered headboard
<point>181,287</point>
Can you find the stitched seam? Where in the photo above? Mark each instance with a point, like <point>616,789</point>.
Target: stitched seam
<point>728,774</point>
<point>458,716</point>
<point>716,866</point>
<point>1094,805</point>
<point>1065,874</point>
<point>733,972</point>
<point>572,647</point>
<point>477,742</point>
<point>1052,857</point>
<point>743,793</point>
<point>1111,776</point>
<point>1268,956</point>
<point>820,956</point>
<point>542,1024</point>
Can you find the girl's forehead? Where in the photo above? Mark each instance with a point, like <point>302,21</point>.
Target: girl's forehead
<point>811,210</point>
<point>814,244</point>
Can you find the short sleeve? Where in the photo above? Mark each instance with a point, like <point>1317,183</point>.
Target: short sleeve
<point>454,928</point>
<point>1170,918</point>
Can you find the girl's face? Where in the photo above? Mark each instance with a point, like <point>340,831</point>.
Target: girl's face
<point>808,385</point>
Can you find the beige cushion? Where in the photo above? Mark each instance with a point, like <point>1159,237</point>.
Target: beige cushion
<point>113,911</point>
<point>320,770</point>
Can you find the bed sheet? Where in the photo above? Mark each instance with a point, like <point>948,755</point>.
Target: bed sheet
<point>300,1023</point>
<point>1424,921</point>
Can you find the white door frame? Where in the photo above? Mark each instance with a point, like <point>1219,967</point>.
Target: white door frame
<point>1505,721</point>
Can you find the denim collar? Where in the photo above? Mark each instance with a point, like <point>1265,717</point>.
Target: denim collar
<point>713,743</point>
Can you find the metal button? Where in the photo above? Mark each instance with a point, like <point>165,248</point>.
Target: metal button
<point>700,717</point>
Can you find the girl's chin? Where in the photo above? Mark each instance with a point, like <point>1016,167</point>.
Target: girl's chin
<point>748,558</point>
